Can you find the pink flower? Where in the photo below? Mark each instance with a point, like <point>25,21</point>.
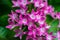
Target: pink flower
<point>58,15</point>
<point>31,1</point>
<point>42,20</point>
<point>23,3</point>
<point>32,33</point>
<point>32,27</point>
<point>11,26</point>
<point>50,9</point>
<point>41,31</point>
<point>10,21</point>
<point>13,16</point>
<point>23,20</point>
<point>19,33</point>
<point>16,3</point>
<point>30,38</point>
<point>21,11</point>
<point>49,37</point>
<point>32,16</point>
<point>31,20</point>
<point>38,3</point>
<point>58,35</point>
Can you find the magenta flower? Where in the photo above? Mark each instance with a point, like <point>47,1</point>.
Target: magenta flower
<point>58,35</point>
<point>35,21</point>
<point>23,2</point>
<point>58,15</point>
<point>38,3</point>
<point>13,16</point>
<point>49,36</point>
<point>16,3</point>
<point>11,26</point>
<point>23,20</point>
<point>21,11</point>
<point>19,33</point>
<point>42,20</point>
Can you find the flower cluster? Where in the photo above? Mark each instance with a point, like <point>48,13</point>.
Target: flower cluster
<point>34,21</point>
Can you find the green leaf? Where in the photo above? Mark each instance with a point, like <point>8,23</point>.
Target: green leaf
<point>56,39</point>
<point>30,7</point>
<point>54,25</point>
<point>24,37</point>
<point>57,8</point>
<point>6,34</point>
<point>54,34</point>
<point>4,20</point>
<point>3,32</point>
<point>55,4</point>
<point>7,2</point>
<point>49,19</point>
<point>5,7</point>
<point>57,1</point>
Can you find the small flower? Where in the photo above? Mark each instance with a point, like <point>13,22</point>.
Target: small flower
<point>32,16</point>
<point>37,17</point>
<point>23,21</point>
<point>11,26</point>
<point>13,16</point>
<point>30,38</point>
<point>42,20</point>
<point>58,35</point>
<point>19,33</point>
<point>42,5</point>
<point>37,4</point>
<point>58,15</point>
<point>24,2</point>
<point>21,11</point>
<point>16,3</point>
<point>48,26</point>
<point>49,36</point>
<point>45,11</point>
<point>35,21</point>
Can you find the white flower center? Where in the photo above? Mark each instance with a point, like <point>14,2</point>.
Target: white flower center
<point>42,5</point>
<point>48,27</point>
<point>38,16</point>
<point>17,4</point>
<point>40,22</point>
<point>37,4</point>
<point>45,11</point>
<point>22,11</point>
<point>49,37</point>
<point>24,21</point>
<point>32,16</point>
<point>42,30</point>
<point>24,2</point>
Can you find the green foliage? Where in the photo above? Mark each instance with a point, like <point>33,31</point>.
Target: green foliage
<point>30,7</point>
<point>4,20</point>
<point>54,26</point>
<point>56,39</point>
<point>55,4</point>
<point>24,37</point>
<point>5,34</point>
<point>5,7</point>
<point>49,19</point>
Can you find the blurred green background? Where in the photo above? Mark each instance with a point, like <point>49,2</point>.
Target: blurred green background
<point>5,9</point>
